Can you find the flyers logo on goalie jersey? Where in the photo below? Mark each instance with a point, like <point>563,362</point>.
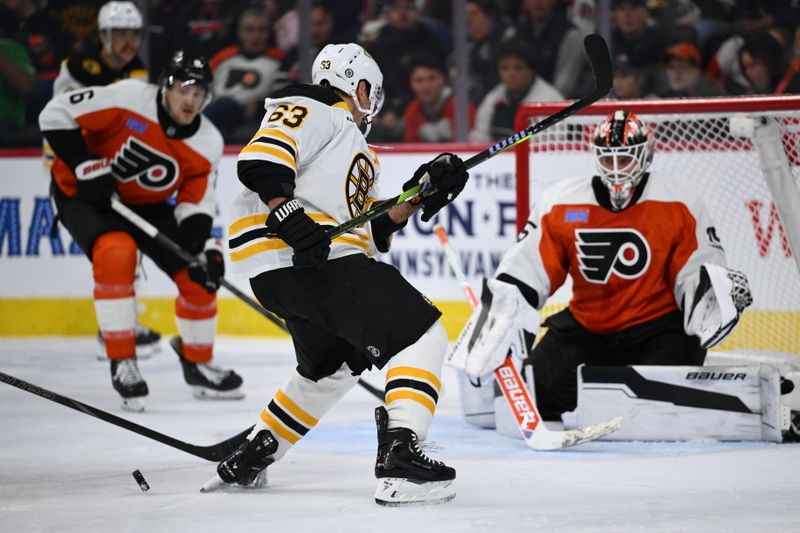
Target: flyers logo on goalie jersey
<point>603,252</point>
<point>153,170</point>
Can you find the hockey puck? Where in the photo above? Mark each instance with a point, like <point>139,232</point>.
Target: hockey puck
<point>137,475</point>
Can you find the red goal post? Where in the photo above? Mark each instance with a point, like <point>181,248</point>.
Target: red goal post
<point>699,139</point>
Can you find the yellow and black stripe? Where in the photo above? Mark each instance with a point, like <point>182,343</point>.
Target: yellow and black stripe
<point>415,384</point>
<point>273,145</point>
<point>287,419</point>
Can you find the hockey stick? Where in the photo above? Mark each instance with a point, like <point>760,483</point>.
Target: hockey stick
<point>214,452</point>
<point>150,230</point>
<point>534,431</point>
<point>597,50</point>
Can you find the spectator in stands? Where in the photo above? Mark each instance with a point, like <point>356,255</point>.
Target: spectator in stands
<point>77,17</point>
<point>761,59</point>
<point>322,25</point>
<point>683,76</point>
<point>790,83</point>
<point>430,117</point>
<point>629,83</point>
<point>634,37</point>
<point>17,77</point>
<point>483,35</point>
<point>45,41</point>
<point>556,42</point>
<point>244,75</point>
<point>402,37</point>
<point>519,83</point>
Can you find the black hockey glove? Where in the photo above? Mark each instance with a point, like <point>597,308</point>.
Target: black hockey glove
<point>95,183</point>
<point>208,267</point>
<point>194,231</point>
<point>308,239</point>
<point>448,175</point>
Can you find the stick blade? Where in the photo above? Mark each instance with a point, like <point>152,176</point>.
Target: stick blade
<point>544,439</point>
<point>600,59</point>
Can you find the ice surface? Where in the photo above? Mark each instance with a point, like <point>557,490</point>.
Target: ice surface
<point>63,471</point>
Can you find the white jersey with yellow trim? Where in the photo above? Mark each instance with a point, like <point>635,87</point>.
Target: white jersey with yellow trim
<point>314,137</point>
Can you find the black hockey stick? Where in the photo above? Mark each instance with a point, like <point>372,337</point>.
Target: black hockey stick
<point>171,245</point>
<point>215,452</point>
<point>600,59</point>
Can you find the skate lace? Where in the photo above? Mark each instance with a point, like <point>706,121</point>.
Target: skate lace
<point>213,373</point>
<point>128,372</point>
<point>418,449</point>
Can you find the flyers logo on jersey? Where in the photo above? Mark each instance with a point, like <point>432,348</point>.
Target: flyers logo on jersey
<point>603,252</point>
<point>360,178</point>
<point>153,170</point>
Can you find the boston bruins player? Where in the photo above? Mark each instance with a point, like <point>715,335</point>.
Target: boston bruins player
<point>119,25</point>
<point>650,282</point>
<point>306,169</point>
<point>146,143</point>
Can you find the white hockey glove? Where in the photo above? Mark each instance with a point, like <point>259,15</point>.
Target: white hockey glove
<point>719,299</point>
<point>496,326</point>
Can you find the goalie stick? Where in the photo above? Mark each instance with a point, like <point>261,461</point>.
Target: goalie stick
<point>154,233</point>
<point>534,432</point>
<point>597,50</point>
<point>215,452</point>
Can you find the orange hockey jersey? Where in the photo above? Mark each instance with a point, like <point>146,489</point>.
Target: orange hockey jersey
<point>151,157</point>
<point>627,267</point>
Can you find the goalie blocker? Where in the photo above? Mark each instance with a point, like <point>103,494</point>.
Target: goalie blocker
<point>684,402</point>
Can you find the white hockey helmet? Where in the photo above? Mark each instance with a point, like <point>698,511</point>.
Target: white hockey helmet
<point>123,15</point>
<point>343,66</point>
<point>623,149</point>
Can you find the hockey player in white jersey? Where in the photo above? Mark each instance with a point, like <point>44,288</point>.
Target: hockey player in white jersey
<point>650,281</point>
<point>306,169</point>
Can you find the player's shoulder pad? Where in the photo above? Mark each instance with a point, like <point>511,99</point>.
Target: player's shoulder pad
<point>87,69</point>
<point>567,191</point>
<point>319,93</point>
<point>671,188</point>
<point>209,139</point>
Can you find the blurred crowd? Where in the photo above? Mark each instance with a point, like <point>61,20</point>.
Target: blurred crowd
<point>518,51</point>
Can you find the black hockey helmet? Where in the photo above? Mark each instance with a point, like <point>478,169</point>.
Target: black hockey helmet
<point>188,69</point>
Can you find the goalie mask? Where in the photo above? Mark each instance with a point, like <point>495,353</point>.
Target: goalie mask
<point>623,149</point>
<point>343,66</point>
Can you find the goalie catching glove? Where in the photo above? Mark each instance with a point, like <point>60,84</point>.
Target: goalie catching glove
<point>498,325</point>
<point>719,299</point>
<point>446,177</point>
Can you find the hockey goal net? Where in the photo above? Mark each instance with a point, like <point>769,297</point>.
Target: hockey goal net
<point>695,138</point>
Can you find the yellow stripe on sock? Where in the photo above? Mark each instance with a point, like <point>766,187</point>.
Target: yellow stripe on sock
<point>413,396</point>
<point>278,428</point>
<point>411,372</point>
<point>295,410</point>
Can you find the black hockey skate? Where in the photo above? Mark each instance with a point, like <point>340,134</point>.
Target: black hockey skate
<point>247,465</point>
<point>206,380</point>
<point>148,343</point>
<point>405,474</point>
<point>128,382</point>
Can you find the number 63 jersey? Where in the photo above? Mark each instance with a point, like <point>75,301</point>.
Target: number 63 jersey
<point>627,267</point>
<point>152,157</point>
<point>309,143</point>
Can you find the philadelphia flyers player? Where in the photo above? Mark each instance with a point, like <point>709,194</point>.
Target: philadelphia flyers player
<point>146,143</point>
<point>306,169</point>
<point>649,278</point>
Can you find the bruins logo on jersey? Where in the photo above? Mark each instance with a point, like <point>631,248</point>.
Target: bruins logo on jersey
<point>360,178</point>
<point>153,170</point>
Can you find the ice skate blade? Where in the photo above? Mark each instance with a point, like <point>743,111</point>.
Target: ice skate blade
<point>204,393</point>
<point>215,484</point>
<point>396,492</point>
<point>133,405</point>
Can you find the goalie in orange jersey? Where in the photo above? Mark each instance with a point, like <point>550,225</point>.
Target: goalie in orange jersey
<point>147,143</point>
<point>650,285</point>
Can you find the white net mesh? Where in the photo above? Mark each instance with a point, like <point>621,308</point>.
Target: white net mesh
<point>728,175</point>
